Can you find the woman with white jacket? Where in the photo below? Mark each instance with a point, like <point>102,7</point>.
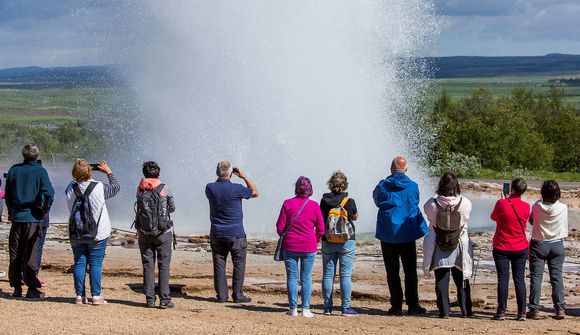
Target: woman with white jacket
<point>459,261</point>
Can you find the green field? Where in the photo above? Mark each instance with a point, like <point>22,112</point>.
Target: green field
<point>460,87</point>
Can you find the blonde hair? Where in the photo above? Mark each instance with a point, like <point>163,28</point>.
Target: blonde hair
<point>338,183</point>
<point>82,170</point>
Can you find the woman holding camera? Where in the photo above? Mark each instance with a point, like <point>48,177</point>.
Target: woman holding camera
<point>89,249</point>
<point>510,247</point>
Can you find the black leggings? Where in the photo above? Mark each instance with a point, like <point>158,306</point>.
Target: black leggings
<point>442,291</point>
<point>502,260</point>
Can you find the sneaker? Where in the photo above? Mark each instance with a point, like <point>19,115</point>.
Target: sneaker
<point>521,316</point>
<point>292,312</point>
<point>98,300</point>
<point>34,293</point>
<point>2,274</point>
<point>443,316</point>
<point>560,313</point>
<point>416,310</point>
<point>533,314</point>
<point>79,300</point>
<point>307,313</point>
<point>327,311</point>
<point>395,311</point>
<point>17,292</point>
<point>42,282</point>
<point>166,305</point>
<point>150,304</point>
<point>349,312</point>
<point>243,300</point>
<point>499,315</point>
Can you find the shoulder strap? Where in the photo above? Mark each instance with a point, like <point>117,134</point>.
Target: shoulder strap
<point>344,201</point>
<point>159,188</point>
<point>437,204</point>
<point>77,190</point>
<point>518,217</point>
<point>295,217</point>
<point>90,188</point>
<point>457,206</point>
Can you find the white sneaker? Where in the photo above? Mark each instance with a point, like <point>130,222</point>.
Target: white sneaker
<point>307,313</point>
<point>293,312</point>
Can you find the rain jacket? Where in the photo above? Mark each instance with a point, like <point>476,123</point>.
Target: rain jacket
<point>399,218</point>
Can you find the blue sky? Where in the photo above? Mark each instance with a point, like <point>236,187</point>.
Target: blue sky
<point>70,32</point>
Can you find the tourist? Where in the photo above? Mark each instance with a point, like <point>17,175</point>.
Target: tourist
<point>1,202</point>
<point>154,203</point>
<point>227,233</point>
<point>339,255</point>
<point>550,226</point>
<point>89,246</point>
<point>447,248</point>
<point>510,247</point>
<point>399,224</point>
<point>29,196</point>
<point>300,243</point>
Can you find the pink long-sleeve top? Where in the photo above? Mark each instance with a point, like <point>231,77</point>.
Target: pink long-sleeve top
<point>306,230</point>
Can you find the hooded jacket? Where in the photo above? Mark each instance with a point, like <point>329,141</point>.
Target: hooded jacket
<point>549,222</point>
<point>399,219</point>
<point>149,184</point>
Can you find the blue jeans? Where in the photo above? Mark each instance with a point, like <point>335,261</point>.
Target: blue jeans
<point>343,254</point>
<point>517,260</point>
<point>91,253</point>
<point>306,264</point>
<point>41,243</point>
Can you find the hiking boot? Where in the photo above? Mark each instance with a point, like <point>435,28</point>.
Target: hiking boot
<point>395,311</point>
<point>416,310</point>
<point>499,316</point>
<point>166,305</point>
<point>560,313</point>
<point>533,314</point>
<point>243,300</point>
<point>34,293</point>
<point>349,312</point>
<point>327,311</point>
<point>521,316</point>
<point>17,292</point>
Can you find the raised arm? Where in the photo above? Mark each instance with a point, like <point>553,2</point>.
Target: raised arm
<point>240,173</point>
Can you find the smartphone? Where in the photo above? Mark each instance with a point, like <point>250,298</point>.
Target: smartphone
<point>506,188</point>
<point>95,167</point>
<point>235,170</point>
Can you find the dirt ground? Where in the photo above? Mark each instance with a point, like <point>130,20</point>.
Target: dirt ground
<point>196,313</point>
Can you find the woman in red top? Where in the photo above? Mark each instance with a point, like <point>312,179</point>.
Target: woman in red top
<point>510,246</point>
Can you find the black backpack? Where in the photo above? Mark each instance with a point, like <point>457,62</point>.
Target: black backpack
<point>150,217</point>
<point>448,227</point>
<point>81,223</point>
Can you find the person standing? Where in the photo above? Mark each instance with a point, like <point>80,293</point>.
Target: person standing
<point>510,247</point>
<point>339,255</point>
<point>399,224</point>
<point>29,196</point>
<point>302,220</point>
<point>89,246</point>
<point>227,233</point>
<point>549,220</point>
<point>447,248</point>
<point>155,241</point>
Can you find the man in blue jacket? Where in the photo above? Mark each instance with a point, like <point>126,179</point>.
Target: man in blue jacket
<point>399,224</point>
<point>29,195</point>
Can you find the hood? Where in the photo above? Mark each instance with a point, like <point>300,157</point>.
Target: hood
<point>551,210</point>
<point>149,183</point>
<point>332,199</point>
<point>398,180</point>
<point>445,201</point>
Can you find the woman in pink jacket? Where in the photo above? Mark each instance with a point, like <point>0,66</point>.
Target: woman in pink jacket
<point>300,243</point>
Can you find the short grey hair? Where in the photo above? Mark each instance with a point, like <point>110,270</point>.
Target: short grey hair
<point>30,152</point>
<point>224,169</point>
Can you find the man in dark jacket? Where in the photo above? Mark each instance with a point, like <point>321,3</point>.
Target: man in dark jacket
<point>399,224</point>
<point>29,195</point>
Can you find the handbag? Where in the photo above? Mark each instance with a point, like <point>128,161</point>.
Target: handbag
<point>278,255</point>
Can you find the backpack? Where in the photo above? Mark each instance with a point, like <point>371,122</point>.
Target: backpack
<point>81,223</point>
<point>150,217</point>
<point>448,227</point>
<point>338,228</point>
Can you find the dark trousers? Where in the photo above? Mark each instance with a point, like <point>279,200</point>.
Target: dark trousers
<point>442,291</point>
<point>152,248</point>
<point>220,248</point>
<point>540,253</point>
<point>23,244</point>
<point>502,260</point>
<point>407,252</point>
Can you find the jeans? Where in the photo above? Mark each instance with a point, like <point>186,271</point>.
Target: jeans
<point>540,253</point>
<point>343,254</point>
<point>502,260</point>
<point>156,248</point>
<point>41,243</point>
<point>407,252</point>
<point>220,248</point>
<point>442,291</point>
<point>23,249</point>
<point>306,263</point>
<point>91,253</point>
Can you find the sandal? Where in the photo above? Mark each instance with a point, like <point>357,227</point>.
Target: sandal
<point>98,301</point>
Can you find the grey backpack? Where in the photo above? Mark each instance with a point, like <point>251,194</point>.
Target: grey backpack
<point>448,226</point>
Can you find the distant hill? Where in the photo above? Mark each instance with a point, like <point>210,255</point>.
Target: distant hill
<point>444,67</point>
